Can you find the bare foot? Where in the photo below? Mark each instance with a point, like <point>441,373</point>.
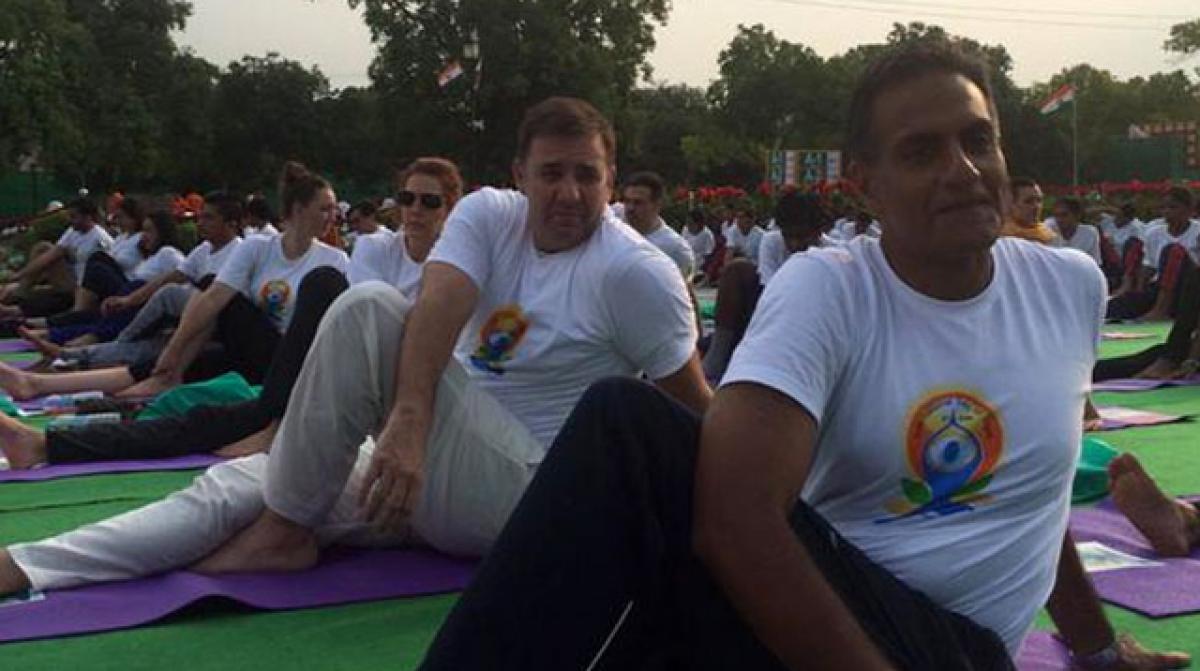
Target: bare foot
<point>151,386</point>
<point>1170,525</point>
<point>1161,369</point>
<point>48,349</point>
<point>259,442</point>
<point>17,383</point>
<point>22,446</point>
<point>271,543</point>
<point>12,578</point>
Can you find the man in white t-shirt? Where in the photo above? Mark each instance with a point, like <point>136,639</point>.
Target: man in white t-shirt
<point>642,197</point>
<point>363,222</point>
<point>699,238</point>
<point>743,238</point>
<point>54,264</point>
<point>527,298</point>
<point>1071,231</point>
<point>883,479</point>
<point>1172,252</point>
<point>257,217</point>
<point>161,301</point>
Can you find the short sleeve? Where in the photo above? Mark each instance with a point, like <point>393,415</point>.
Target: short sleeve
<point>238,271</point>
<point>66,239</point>
<point>365,261</point>
<point>799,341</point>
<point>467,241</point>
<point>652,315</point>
<point>191,266</point>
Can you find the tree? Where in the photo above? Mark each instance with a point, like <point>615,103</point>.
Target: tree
<point>775,93</point>
<point>1185,38</point>
<point>530,50</point>
<point>653,131</point>
<point>265,112</point>
<point>36,71</point>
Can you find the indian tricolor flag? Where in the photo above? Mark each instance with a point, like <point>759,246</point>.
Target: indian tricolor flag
<point>1064,95</point>
<point>452,71</point>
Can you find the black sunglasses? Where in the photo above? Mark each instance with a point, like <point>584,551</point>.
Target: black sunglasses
<point>429,201</point>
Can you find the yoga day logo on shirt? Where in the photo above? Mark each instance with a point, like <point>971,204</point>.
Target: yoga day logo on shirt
<point>499,338</point>
<point>953,443</point>
<point>274,296</point>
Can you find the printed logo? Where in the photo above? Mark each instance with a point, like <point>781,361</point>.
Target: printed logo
<point>499,338</point>
<point>273,296</point>
<point>953,443</point>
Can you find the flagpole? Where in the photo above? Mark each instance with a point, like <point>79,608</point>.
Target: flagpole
<point>1075,141</point>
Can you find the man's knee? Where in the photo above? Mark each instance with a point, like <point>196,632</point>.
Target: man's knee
<point>40,248</point>
<point>369,298</point>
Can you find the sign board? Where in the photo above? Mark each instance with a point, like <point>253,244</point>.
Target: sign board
<point>794,167</point>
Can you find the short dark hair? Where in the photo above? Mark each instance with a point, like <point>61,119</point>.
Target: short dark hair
<point>298,186</point>
<point>803,211</point>
<point>565,118</point>
<point>366,208</point>
<point>900,67</point>
<point>258,207</point>
<point>1129,210</point>
<point>227,205</point>
<point>133,207</point>
<point>698,216</point>
<point>168,232</point>
<point>85,206</point>
<point>1073,204</point>
<point>1018,183</point>
<point>1181,195</point>
<point>650,180</point>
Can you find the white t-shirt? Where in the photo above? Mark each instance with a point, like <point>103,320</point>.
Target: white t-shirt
<point>386,259</point>
<point>268,229</point>
<point>1157,237</point>
<point>126,253</point>
<point>847,229</point>
<point>674,246</point>
<point>702,243</point>
<point>746,243</point>
<point>1119,235</point>
<point>771,255</point>
<point>549,325</point>
<point>80,246</point>
<point>259,270</point>
<point>948,430</point>
<point>160,263</point>
<point>1086,239</point>
<point>203,261</point>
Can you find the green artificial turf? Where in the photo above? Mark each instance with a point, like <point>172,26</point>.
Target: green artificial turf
<point>393,634</point>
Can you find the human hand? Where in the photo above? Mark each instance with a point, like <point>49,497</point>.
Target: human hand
<point>113,304</point>
<point>395,477</point>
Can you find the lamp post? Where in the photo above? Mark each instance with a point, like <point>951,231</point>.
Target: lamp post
<point>471,55</point>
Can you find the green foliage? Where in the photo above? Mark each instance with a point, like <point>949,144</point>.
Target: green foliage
<point>1185,38</point>
<point>530,49</point>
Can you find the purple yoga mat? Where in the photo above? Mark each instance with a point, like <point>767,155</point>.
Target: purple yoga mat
<point>1171,588</point>
<point>1043,652</point>
<point>15,345</point>
<point>98,467</point>
<point>1133,384</point>
<point>1114,418</point>
<point>344,576</point>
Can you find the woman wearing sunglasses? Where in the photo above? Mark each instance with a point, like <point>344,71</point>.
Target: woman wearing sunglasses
<point>434,185</point>
<point>429,187</point>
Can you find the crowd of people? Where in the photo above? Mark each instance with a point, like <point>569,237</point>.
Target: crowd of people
<point>865,465</point>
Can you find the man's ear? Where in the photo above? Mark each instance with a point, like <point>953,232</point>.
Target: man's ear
<point>860,175</point>
<point>518,174</point>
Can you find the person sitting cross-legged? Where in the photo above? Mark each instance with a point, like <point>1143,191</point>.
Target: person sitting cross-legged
<point>882,480</point>
<point>526,299</point>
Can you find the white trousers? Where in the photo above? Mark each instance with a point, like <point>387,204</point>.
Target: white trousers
<point>479,460</point>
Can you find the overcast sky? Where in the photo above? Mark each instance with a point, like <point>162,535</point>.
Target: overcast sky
<point>1124,36</point>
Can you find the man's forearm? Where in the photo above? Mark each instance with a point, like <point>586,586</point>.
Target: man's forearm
<point>1074,606</point>
<point>147,290</point>
<point>777,588</point>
